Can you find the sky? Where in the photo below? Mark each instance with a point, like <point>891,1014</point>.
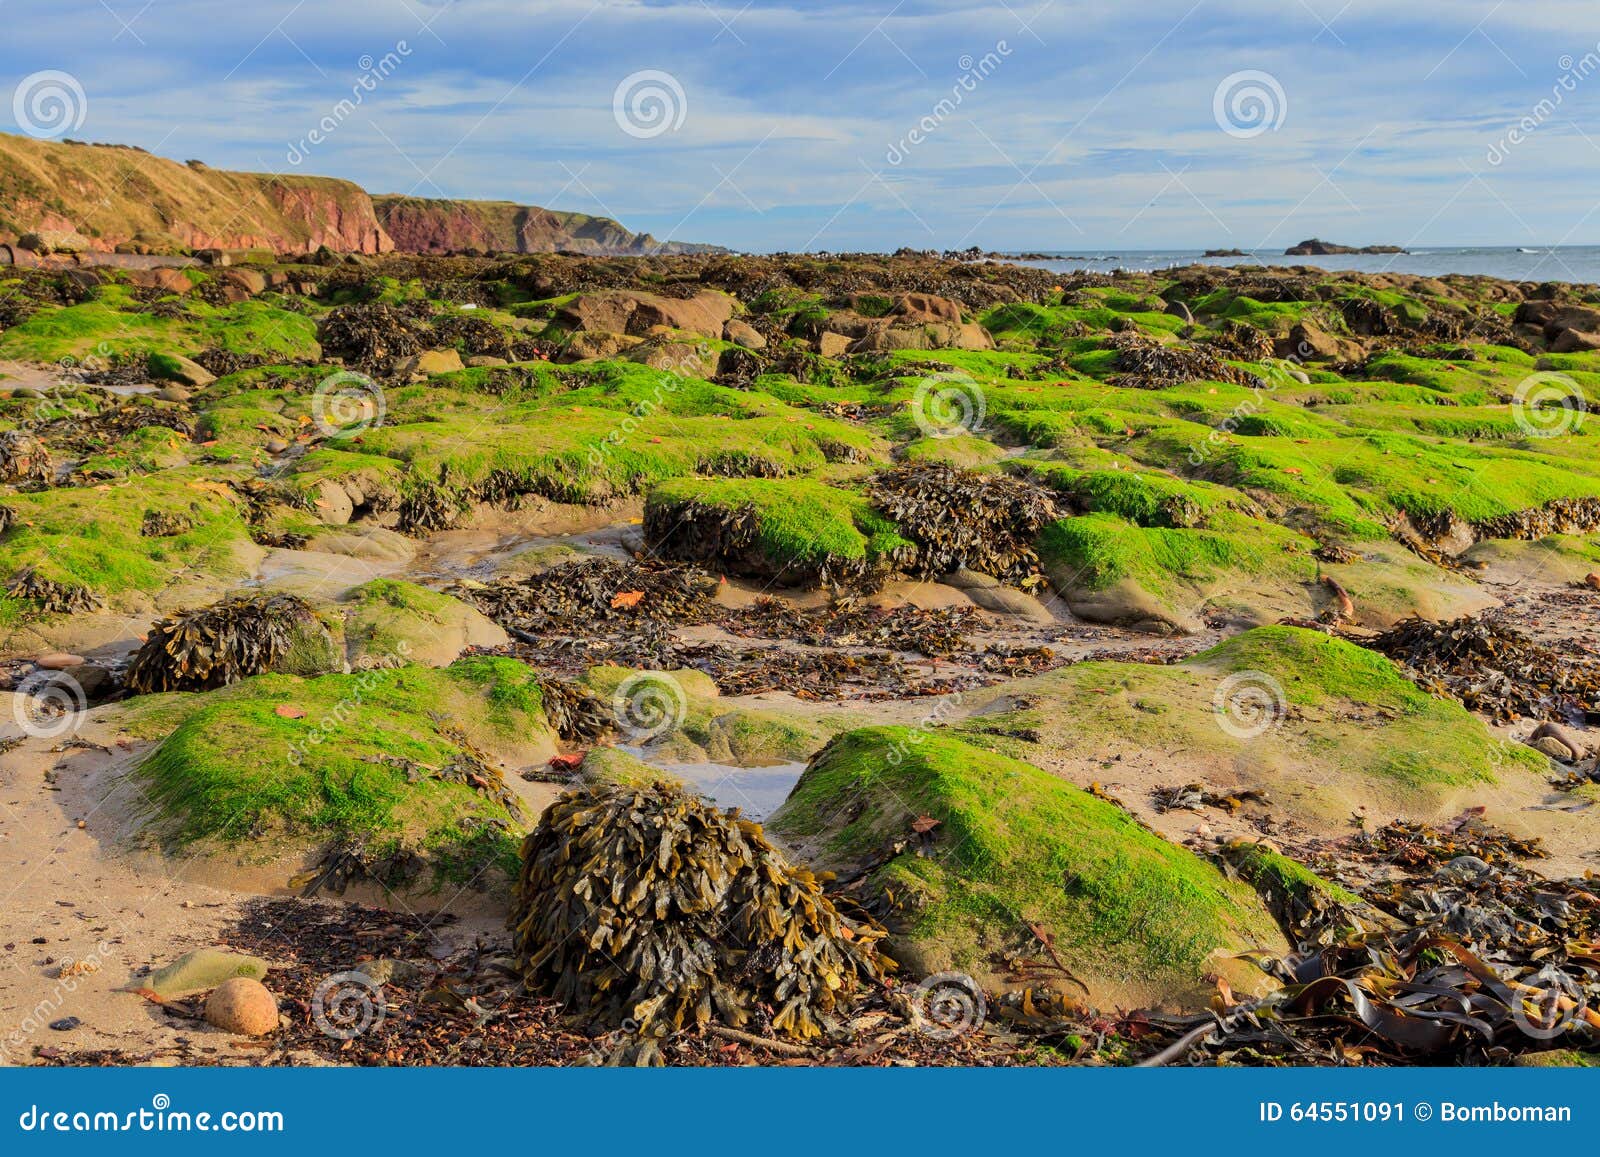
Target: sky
<point>869,125</point>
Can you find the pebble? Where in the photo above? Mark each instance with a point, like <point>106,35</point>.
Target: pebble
<point>243,1006</point>
<point>60,661</point>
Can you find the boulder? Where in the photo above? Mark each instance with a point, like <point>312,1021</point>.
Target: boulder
<point>47,241</point>
<point>388,617</point>
<point>744,334</point>
<point>931,336</point>
<point>596,344</point>
<point>630,312</point>
<point>1560,736</point>
<point>176,368</point>
<point>1556,317</point>
<point>431,362</point>
<point>333,503</point>
<point>96,682</point>
<point>705,313</point>
<point>678,357</point>
<point>250,281</point>
<point>1307,340</point>
<point>1575,341</point>
<point>244,1007</point>
<point>165,279</point>
<point>921,307</point>
<point>832,345</point>
<point>1554,748</point>
<point>173,394</point>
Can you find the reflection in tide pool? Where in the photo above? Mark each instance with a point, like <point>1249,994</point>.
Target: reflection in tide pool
<point>757,790</point>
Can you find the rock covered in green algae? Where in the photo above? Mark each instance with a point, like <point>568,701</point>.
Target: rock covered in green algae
<point>200,970</point>
<point>1010,848</point>
<point>407,763</point>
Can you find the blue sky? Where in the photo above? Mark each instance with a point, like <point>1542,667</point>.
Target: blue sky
<point>1085,127</point>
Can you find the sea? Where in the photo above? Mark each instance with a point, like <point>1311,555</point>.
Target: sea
<point>1572,263</point>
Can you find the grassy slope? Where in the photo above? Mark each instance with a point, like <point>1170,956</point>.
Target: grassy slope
<point>117,194</point>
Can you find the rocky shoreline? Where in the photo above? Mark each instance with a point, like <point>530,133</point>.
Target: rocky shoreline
<point>1251,602</point>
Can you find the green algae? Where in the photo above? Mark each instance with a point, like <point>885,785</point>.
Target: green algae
<point>1016,846</point>
<point>277,758</point>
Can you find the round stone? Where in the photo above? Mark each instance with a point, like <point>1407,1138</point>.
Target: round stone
<point>243,1006</point>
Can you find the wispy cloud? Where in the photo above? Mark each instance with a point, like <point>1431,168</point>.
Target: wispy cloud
<point>1096,127</point>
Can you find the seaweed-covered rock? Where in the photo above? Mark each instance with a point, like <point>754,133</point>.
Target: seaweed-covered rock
<point>209,647</point>
<point>372,334</point>
<point>1561,516</point>
<point>965,520</point>
<point>1145,364</point>
<point>646,904</point>
<point>799,532</point>
<point>24,459</point>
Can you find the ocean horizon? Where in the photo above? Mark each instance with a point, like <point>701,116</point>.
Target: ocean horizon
<point>1578,264</point>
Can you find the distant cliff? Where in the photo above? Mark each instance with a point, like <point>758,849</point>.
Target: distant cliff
<point>106,197</point>
<point>430,225</point>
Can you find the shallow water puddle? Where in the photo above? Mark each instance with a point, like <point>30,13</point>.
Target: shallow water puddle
<point>758,790</point>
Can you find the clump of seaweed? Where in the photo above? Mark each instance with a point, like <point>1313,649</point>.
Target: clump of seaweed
<point>963,519</point>
<point>428,509</point>
<point>210,647</point>
<point>595,590</point>
<point>647,905</point>
<point>1561,516</point>
<point>24,459</point>
<point>371,334</point>
<point>50,596</point>
<point>1490,668</point>
<point>165,524</point>
<point>578,716</point>
<point>1150,365</point>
